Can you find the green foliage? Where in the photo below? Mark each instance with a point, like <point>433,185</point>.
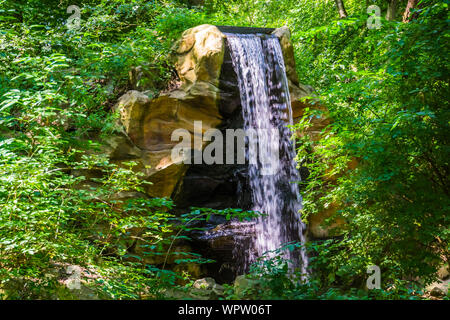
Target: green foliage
<point>386,91</point>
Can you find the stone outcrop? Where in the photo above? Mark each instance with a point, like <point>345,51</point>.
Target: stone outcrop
<point>199,55</point>
<point>149,123</point>
<point>199,58</point>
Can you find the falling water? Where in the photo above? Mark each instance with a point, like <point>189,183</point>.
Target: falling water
<point>259,65</point>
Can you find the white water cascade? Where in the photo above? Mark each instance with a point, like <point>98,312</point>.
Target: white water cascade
<point>264,92</point>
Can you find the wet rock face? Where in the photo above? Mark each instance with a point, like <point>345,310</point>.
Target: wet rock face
<point>230,97</point>
<point>220,241</point>
<point>219,186</point>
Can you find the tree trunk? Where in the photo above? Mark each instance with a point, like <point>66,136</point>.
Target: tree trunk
<point>341,9</point>
<point>391,10</point>
<point>411,5</point>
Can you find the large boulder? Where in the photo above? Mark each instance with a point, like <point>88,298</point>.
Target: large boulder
<point>150,123</point>
<point>202,289</point>
<point>199,55</point>
<point>206,289</point>
<point>439,288</point>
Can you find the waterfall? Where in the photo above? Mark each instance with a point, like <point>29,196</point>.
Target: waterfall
<point>258,62</point>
